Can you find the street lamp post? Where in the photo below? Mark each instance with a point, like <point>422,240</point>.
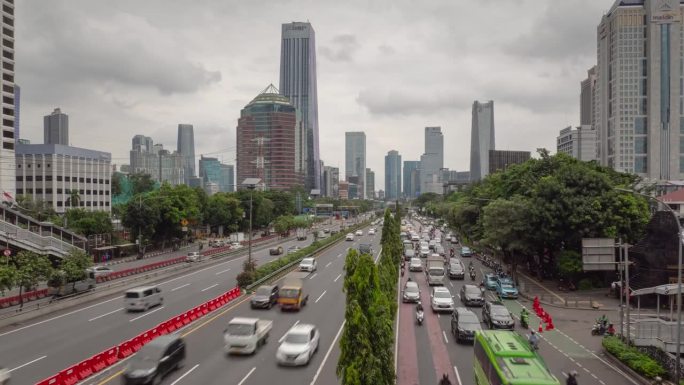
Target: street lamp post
<point>678,362</point>
<point>251,184</point>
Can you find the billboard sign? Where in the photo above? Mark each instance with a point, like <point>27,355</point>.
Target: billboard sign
<point>598,254</point>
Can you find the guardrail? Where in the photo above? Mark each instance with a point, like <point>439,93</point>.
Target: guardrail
<point>17,299</point>
<point>110,356</point>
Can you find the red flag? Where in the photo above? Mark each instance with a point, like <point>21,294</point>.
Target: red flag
<point>7,196</point>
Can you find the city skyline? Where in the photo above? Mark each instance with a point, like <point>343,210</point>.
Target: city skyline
<point>353,58</point>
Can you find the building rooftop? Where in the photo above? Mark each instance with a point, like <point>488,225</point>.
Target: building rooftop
<point>673,197</point>
<point>60,149</point>
<point>270,95</point>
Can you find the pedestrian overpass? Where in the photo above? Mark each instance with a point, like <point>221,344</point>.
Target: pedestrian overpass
<point>659,329</point>
<point>20,231</point>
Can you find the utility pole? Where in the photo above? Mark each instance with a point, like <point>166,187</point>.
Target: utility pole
<point>621,288</point>
<point>627,287</point>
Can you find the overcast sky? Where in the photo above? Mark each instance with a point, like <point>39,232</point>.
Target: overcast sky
<point>386,67</point>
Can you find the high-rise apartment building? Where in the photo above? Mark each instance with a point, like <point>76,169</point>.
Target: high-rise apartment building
<point>432,161</point>
<point>17,112</point>
<point>587,89</point>
<point>142,143</point>
<point>392,175</point>
<point>186,147</point>
<point>580,143</point>
<point>7,158</point>
<point>152,159</point>
<point>298,83</point>
<point>370,184</point>
<point>266,139</point>
<point>219,175</point>
<point>56,128</point>
<point>331,181</point>
<point>409,189</point>
<point>227,181</point>
<point>481,139</point>
<point>500,160</point>
<point>639,102</point>
<point>355,158</point>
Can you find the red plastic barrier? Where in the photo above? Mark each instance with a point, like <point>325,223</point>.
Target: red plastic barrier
<point>70,375</point>
<point>98,362</point>
<point>136,343</point>
<point>192,314</point>
<point>111,356</point>
<point>212,305</point>
<point>84,369</point>
<point>124,349</point>
<point>204,308</point>
<point>185,318</point>
<point>53,380</point>
<point>145,337</point>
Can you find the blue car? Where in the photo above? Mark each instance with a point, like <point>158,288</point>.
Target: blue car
<point>505,288</point>
<point>490,281</point>
<point>466,252</point>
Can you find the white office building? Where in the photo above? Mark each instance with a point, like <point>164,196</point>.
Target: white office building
<point>481,139</point>
<point>579,142</point>
<point>7,160</point>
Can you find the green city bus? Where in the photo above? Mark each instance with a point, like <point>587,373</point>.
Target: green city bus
<point>505,358</point>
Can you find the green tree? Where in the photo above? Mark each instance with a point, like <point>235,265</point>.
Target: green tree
<point>506,225</point>
<point>38,209</point>
<point>74,266</point>
<point>116,183</point>
<point>284,224</point>
<point>88,222</point>
<point>142,183</point>
<point>223,209</point>
<point>570,263</point>
<point>74,199</point>
<point>8,275</point>
<point>31,268</point>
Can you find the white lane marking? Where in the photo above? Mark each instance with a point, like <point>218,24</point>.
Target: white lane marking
<point>446,340</point>
<point>458,376</point>
<point>378,256</point>
<point>185,374</point>
<point>451,283</point>
<point>327,354</point>
<point>104,315</point>
<point>246,376</point>
<point>180,287</point>
<point>321,296</point>
<point>339,255</point>
<point>222,271</point>
<point>26,364</point>
<point>312,277</point>
<point>146,314</point>
<point>328,264</point>
<point>283,337</point>
<point>210,287</point>
<point>338,277</point>
<point>60,316</point>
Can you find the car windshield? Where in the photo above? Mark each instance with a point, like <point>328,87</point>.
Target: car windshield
<point>506,286</point>
<point>147,357</point>
<point>491,279</point>
<point>472,290</point>
<point>236,329</point>
<point>263,291</point>
<point>296,338</point>
<point>500,311</point>
<point>468,319</point>
<point>442,294</point>
<point>132,294</point>
<point>289,293</point>
<point>411,289</point>
<point>306,262</point>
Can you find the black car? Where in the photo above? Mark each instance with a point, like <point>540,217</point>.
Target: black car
<point>464,324</point>
<point>155,360</point>
<point>365,248</point>
<point>456,269</point>
<point>471,295</point>
<point>265,297</point>
<point>497,316</point>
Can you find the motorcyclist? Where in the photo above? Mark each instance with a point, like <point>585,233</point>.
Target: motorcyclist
<point>419,307</point>
<point>572,378</point>
<point>603,323</point>
<point>533,339</point>
<point>445,380</point>
<point>611,330</point>
<point>524,316</point>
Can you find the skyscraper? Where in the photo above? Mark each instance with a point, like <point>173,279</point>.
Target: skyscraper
<point>266,141</point>
<point>331,178</point>
<point>432,161</point>
<point>355,159</point>
<point>17,110</point>
<point>370,184</point>
<point>409,189</point>
<point>392,175</point>
<point>227,182</point>
<point>186,147</point>
<point>142,143</point>
<point>56,128</point>
<point>587,87</point>
<point>481,139</point>
<point>580,143</point>
<point>298,83</point>
<point>638,103</point>
<point>7,158</point>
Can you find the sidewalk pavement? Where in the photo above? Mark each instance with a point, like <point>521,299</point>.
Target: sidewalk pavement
<point>548,293</point>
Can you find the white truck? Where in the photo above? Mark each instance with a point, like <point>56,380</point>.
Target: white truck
<point>245,335</point>
<point>301,234</point>
<point>435,271</point>
<point>237,237</point>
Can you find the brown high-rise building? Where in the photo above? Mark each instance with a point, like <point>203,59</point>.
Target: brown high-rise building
<point>267,138</point>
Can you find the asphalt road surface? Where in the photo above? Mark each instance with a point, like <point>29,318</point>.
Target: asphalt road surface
<point>569,347</point>
<point>207,364</point>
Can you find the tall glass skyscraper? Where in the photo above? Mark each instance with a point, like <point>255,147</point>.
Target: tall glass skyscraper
<point>298,83</point>
<point>432,161</point>
<point>56,128</point>
<point>638,103</point>
<point>410,189</point>
<point>355,159</point>
<point>186,147</point>
<point>481,139</point>
<point>392,175</point>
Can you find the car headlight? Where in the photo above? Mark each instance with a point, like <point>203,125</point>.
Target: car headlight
<point>304,354</point>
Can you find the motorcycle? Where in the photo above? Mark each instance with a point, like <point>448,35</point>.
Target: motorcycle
<point>472,275</point>
<point>419,316</point>
<point>598,330</point>
<point>525,322</point>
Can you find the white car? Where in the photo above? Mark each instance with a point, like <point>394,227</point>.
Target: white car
<point>359,233</point>
<point>235,245</point>
<point>299,344</point>
<point>415,265</point>
<point>441,300</point>
<point>194,256</point>
<point>4,376</point>
<point>371,232</point>
<point>424,252</point>
<point>350,237</point>
<point>307,264</point>
<point>99,271</point>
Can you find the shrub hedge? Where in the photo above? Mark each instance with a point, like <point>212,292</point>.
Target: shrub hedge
<point>638,361</point>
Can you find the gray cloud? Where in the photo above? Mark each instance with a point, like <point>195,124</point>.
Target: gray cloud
<point>341,49</point>
<point>405,102</point>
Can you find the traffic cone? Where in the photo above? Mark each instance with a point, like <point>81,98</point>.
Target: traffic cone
<point>549,325</point>
<point>541,327</point>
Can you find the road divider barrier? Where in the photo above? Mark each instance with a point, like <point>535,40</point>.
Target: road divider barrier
<point>111,356</point>
<point>28,296</point>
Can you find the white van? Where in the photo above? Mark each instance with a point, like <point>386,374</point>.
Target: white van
<point>143,298</point>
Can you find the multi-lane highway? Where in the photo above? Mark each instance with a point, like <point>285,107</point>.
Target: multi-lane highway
<point>206,362</point>
<point>41,347</point>
<point>565,349</point>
